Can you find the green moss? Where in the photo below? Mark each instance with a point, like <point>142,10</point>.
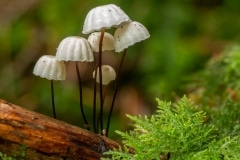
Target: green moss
<point>18,155</point>
<point>178,131</point>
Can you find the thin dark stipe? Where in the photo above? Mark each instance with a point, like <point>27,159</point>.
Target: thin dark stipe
<point>80,96</point>
<point>115,90</point>
<point>53,102</point>
<point>100,77</point>
<point>168,155</point>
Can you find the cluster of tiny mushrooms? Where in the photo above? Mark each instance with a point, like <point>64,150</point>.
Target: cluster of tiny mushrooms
<point>79,49</point>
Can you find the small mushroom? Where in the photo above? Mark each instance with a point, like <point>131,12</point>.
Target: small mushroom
<point>125,35</point>
<point>104,17</point>
<point>128,34</point>
<point>49,67</point>
<point>76,49</point>
<point>107,44</point>
<point>108,74</point>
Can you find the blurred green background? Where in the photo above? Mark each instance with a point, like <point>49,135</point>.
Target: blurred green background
<point>184,35</point>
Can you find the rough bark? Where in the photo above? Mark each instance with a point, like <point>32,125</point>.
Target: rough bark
<point>47,138</point>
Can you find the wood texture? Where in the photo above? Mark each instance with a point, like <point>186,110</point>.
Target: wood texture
<point>47,138</point>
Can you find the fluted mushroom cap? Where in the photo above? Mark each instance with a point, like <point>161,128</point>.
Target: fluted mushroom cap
<point>49,67</point>
<point>74,48</point>
<point>108,41</point>
<point>129,34</point>
<point>108,74</point>
<point>105,16</point>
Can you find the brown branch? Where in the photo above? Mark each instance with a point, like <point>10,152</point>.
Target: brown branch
<point>47,138</point>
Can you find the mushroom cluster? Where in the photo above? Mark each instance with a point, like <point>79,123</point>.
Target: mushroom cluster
<point>79,49</point>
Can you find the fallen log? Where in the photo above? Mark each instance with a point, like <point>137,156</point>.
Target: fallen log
<point>47,138</point>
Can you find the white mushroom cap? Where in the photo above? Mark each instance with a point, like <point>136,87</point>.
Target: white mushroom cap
<point>49,67</point>
<point>108,41</point>
<point>108,74</point>
<point>74,48</point>
<point>129,34</point>
<point>105,16</point>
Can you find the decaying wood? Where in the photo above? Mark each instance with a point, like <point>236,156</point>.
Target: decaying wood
<point>47,138</point>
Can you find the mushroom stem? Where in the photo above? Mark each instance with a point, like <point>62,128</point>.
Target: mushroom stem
<point>104,92</point>
<point>100,116</point>
<point>80,95</point>
<point>53,103</point>
<point>100,77</point>
<point>115,90</point>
